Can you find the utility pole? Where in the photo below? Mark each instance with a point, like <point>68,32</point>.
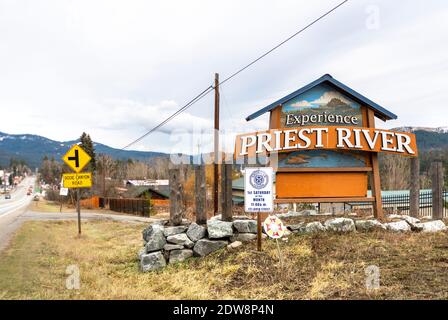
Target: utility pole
<point>216,148</point>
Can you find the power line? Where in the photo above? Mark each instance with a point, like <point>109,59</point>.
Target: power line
<point>284,41</point>
<point>189,104</point>
<point>211,88</point>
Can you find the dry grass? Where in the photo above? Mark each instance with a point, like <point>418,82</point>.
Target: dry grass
<point>321,266</point>
<point>50,206</point>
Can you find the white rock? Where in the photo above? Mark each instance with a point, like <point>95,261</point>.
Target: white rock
<point>204,247</point>
<point>151,230</point>
<point>245,226</point>
<point>340,225</point>
<point>243,237</point>
<point>314,227</point>
<point>368,225</point>
<point>219,229</point>
<point>433,226</point>
<point>413,222</point>
<point>395,216</point>
<point>234,245</point>
<point>180,255</point>
<point>152,261</point>
<point>169,231</point>
<point>155,240</point>
<point>141,252</point>
<point>169,247</point>
<point>180,238</point>
<point>309,212</point>
<point>398,226</point>
<point>196,232</point>
<point>300,227</point>
<point>292,214</point>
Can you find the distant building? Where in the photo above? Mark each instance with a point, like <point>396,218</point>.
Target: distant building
<point>161,192</point>
<point>146,182</point>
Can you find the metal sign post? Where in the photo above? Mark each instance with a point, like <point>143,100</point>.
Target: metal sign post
<point>258,194</point>
<point>76,158</point>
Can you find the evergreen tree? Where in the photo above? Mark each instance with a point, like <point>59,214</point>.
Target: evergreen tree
<point>87,145</point>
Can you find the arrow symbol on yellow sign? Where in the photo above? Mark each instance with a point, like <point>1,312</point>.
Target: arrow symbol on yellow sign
<point>76,158</point>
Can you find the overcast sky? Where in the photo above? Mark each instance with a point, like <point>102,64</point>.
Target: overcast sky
<point>117,68</point>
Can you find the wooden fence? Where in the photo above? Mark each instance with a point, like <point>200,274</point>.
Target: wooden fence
<point>91,203</point>
<point>140,207</point>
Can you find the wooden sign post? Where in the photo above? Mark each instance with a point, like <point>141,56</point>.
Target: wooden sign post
<point>327,144</point>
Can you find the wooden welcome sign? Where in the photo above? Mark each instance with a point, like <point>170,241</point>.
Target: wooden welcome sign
<point>326,142</point>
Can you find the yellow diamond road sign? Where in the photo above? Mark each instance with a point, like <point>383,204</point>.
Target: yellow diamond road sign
<point>76,158</point>
<point>77,180</point>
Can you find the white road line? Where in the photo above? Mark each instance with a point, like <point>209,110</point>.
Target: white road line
<point>13,208</point>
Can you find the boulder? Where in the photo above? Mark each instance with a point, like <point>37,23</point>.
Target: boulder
<point>398,226</point>
<point>433,226</point>
<point>308,212</point>
<point>414,223</point>
<point>245,226</point>
<point>395,216</point>
<point>141,252</point>
<point>181,239</point>
<point>196,232</point>
<point>314,227</point>
<point>410,220</point>
<point>218,229</point>
<point>154,238</point>
<point>369,225</point>
<point>152,261</point>
<point>297,228</point>
<point>235,245</point>
<point>340,225</point>
<point>243,237</point>
<point>169,247</point>
<point>150,230</point>
<point>180,255</point>
<point>292,214</point>
<point>204,247</point>
<point>169,231</point>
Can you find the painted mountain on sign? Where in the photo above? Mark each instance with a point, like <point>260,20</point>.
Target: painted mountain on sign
<point>322,99</point>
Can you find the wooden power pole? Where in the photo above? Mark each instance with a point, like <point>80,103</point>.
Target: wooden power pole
<point>216,148</point>
<point>414,194</point>
<point>437,190</point>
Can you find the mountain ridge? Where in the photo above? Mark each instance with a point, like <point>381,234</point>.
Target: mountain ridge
<point>32,148</point>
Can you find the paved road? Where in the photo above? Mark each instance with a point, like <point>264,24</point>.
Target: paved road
<point>12,209</point>
<point>15,211</point>
<point>19,198</point>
